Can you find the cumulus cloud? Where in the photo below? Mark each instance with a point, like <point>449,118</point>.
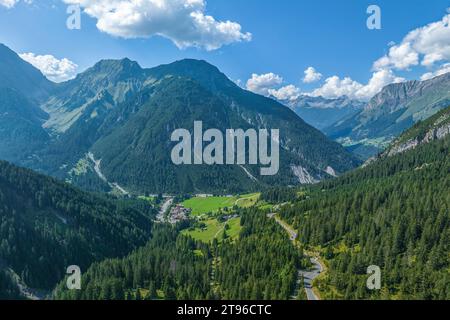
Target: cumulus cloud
<point>426,45</point>
<point>53,68</point>
<point>445,68</point>
<point>400,57</point>
<point>270,84</point>
<point>289,92</point>
<point>11,3</point>
<point>335,87</point>
<point>182,21</point>
<point>263,83</point>
<point>379,80</point>
<point>8,3</point>
<point>311,75</point>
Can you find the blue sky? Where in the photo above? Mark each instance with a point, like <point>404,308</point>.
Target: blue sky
<point>287,37</point>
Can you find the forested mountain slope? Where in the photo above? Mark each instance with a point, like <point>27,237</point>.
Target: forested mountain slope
<point>435,128</point>
<point>395,214</point>
<point>128,113</point>
<point>261,264</point>
<point>19,75</point>
<point>46,226</point>
<point>111,125</point>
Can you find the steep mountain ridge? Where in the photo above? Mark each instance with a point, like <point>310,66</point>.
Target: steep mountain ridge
<point>396,108</point>
<point>122,114</point>
<point>21,76</point>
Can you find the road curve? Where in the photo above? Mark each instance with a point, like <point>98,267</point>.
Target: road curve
<point>308,275</point>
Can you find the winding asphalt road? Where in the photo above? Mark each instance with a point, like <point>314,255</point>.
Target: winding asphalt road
<point>165,206</point>
<point>308,275</point>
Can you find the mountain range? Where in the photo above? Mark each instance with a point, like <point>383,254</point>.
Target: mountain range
<point>321,112</point>
<point>109,128</point>
<point>395,109</point>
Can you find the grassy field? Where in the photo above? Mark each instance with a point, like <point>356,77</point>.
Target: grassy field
<point>200,206</point>
<point>235,228</point>
<point>149,199</point>
<point>214,230</point>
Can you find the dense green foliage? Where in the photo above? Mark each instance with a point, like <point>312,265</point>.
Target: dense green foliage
<point>8,289</point>
<point>21,129</point>
<point>261,264</point>
<point>46,225</point>
<point>279,195</point>
<point>394,214</point>
<point>167,263</point>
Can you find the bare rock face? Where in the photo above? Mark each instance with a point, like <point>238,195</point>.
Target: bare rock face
<point>412,144</point>
<point>436,128</point>
<point>443,132</point>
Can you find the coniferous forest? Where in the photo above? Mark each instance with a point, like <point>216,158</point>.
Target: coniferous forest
<point>393,214</point>
<point>261,264</point>
<point>46,226</point>
<point>92,177</point>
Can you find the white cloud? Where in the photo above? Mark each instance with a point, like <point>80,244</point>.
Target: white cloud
<point>289,92</point>
<point>182,21</point>
<point>311,75</point>
<point>11,3</point>
<point>400,57</point>
<point>423,46</point>
<point>379,80</point>
<point>445,68</point>
<point>263,83</point>
<point>426,45</point>
<point>53,68</point>
<point>8,3</point>
<point>269,84</point>
<point>335,87</point>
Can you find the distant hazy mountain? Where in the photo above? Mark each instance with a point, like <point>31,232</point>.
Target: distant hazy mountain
<point>321,112</point>
<point>396,108</point>
<point>110,127</point>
